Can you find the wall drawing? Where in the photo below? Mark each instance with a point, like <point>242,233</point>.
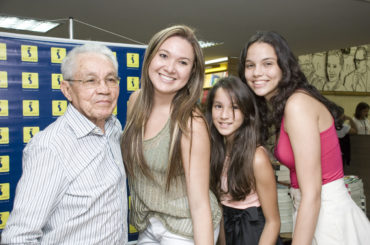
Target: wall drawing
<point>346,70</point>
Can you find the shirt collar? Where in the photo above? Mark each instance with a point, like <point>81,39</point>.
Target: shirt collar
<point>81,125</point>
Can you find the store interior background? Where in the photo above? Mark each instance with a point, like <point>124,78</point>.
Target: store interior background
<point>309,26</point>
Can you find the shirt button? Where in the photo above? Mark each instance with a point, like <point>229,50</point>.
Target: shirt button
<point>97,131</point>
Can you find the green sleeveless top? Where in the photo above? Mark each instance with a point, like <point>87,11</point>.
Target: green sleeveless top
<point>149,197</point>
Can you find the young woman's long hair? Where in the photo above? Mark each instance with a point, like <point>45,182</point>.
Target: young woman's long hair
<point>182,109</point>
<point>240,175</point>
<point>292,80</point>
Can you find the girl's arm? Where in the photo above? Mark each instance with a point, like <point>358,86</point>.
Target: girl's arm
<point>195,148</point>
<point>221,237</point>
<point>267,195</point>
<point>302,125</point>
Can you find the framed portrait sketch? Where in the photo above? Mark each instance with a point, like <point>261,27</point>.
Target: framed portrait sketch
<point>340,71</point>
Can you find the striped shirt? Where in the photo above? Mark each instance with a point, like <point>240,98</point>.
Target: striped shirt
<point>73,186</point>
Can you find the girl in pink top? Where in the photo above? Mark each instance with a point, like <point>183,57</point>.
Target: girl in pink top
<point>325,213</point>
<point>241,172</point>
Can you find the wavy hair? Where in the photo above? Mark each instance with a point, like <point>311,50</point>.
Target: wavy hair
<point>240,175</point>
<point>293,79</point>
<point>183,107</point>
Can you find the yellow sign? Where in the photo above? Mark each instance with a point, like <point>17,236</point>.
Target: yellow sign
<point>133,60</point>
<point>4,135</point>
<point>3,219</point>
<point>132,228</point>
<point>31,108</point>
<point>4,191</point>
<point>29,132</point>
<point>56,79</point>
<point>115,111</point>
<point>30,80</point>
<point>59,107</point>
<point>57,54</point>
<point>216,68</point>
<point>4,111</point>
<point>4,164</point>
<point>132,83</point>
<point>3,79</point>
<point>29,53</point>
<point>212,78</point>
<point>2,51</point>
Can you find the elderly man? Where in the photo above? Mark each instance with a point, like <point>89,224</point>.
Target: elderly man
<point>73,186</point>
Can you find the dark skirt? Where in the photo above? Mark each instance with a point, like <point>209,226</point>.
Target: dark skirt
<point>244,226</point>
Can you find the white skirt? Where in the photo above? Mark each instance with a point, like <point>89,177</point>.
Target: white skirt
<point>341,221</point>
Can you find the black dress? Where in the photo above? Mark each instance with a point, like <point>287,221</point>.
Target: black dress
<point>244,226</point>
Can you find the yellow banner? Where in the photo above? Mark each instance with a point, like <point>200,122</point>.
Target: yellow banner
<point>132,83</point>
<point>57,54</point>
<point>29,132</point>
<point>59,107</point>
<point>31,108</point>
<point>29,53</point>
<point>4,164</point>
<point>4,135</point>
<point>3,79</point>
<point>30,80</point>
<point>4,110</point>
<point>133,60</point>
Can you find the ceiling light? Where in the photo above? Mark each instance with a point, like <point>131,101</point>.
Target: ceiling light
<point>11,22</point>
<point>219,60</point>
<point>206,44</point>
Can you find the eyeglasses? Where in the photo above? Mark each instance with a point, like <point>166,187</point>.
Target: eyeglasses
<point>94,82</point>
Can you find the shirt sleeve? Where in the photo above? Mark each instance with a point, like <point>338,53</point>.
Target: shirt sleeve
<point>346,129</point>
<point>38,191</point>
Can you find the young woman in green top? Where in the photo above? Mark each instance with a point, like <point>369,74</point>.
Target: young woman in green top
<point>166,146</point>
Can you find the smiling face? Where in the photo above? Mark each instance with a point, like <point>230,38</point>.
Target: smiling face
<point>226,115</point>
<point>170,68</point>
<point>97,104</point>
<point>333,68</point>
<point>262,71</point>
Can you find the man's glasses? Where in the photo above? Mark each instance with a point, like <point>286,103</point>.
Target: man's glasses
<point>94,82</point>
<point>359,60</point>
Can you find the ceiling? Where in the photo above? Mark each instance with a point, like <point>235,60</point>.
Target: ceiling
<point>309,26</point>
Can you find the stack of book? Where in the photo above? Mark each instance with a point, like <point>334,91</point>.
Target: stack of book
<point>282,174</point>
<point>284,199</point>
<point>285,209</point>
<point>356,190</point>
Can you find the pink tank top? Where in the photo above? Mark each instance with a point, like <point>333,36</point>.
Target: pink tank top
<point>331,157</point>
<point>250,201</point>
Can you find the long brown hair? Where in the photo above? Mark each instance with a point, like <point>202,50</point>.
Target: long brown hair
<point>183,106</point>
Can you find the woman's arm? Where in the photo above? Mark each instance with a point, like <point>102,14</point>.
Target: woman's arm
<point>353,129</point>
<point>195,148</point>
<point>267,195</point>
<point>302,119</point>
